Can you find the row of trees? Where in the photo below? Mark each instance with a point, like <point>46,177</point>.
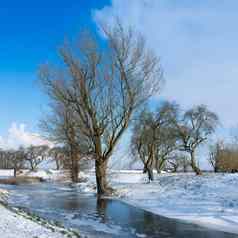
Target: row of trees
<point>101,89</point>
<point>163,137</point>
<point>29,157</point>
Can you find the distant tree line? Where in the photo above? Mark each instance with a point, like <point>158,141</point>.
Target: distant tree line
<point>21,158</point>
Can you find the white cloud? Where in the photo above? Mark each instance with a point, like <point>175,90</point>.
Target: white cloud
<point>197,43</point>
<point>19,136</point>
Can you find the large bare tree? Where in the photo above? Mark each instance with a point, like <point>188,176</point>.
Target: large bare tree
<point>105,86</point>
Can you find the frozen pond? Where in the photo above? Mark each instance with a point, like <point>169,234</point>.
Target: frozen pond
<point>100,218</point>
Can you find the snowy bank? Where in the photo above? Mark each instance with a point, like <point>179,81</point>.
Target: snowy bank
<point>45,174</point>
<point>15,226</point>
<point>15,223</point>
<point>210,200</point>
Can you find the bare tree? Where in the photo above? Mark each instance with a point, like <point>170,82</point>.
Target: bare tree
<point>61,126</point>
<point>166,146</point>
<point>174,163</point>
<point>35,155</point>
<point>195,128</point>
<point>166,138</point>
<point>214,154</point>
<point>178,161</point>
<point>16,159</point>
<point>185,163</point>
<point>105,87</point>
<point>58,155</point>
<point>143,142</point>
<point>154,137</point>
<point>5,163</point>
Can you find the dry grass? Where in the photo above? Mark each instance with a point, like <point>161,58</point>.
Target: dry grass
<point>21,180</point>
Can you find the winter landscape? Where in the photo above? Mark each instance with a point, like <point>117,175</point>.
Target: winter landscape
<point>118,119</point>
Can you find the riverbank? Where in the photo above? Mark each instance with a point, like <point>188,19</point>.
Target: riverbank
<point>15,223</point>
<point>15,226</point>
<point>210,200</point>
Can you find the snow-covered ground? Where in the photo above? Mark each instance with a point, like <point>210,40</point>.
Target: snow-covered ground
<point>210,200</point>
<point>46,174</point>
<point>15,226</point>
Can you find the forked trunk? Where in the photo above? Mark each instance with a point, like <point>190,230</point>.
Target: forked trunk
<point>101,177</point>
<point>195,168</point>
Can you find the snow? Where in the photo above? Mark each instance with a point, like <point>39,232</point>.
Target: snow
<point>48,174</point>
<point>15,226</point>
<point>44,174</point>
<point>6,172</point>
<point>210,200</point>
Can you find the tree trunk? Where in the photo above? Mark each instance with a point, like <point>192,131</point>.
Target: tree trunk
<point>175,169</point>
<point>216,167</point>
<point>195,168</point>
<point>159,165</point>
<point>150,174</point>
<point>185,167</point>
<point>149,170</point>
<point>101,177</point>
<point>57,162</point>
<point>74,168</point>
<point>15,172</point>
<point>32,165</point>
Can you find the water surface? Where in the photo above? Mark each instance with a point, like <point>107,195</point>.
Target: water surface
<point>101,218</point>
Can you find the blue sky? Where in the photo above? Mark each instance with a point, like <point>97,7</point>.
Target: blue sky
<point>196,41</point>
<point>31,32</point>
<point>197,44</point>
